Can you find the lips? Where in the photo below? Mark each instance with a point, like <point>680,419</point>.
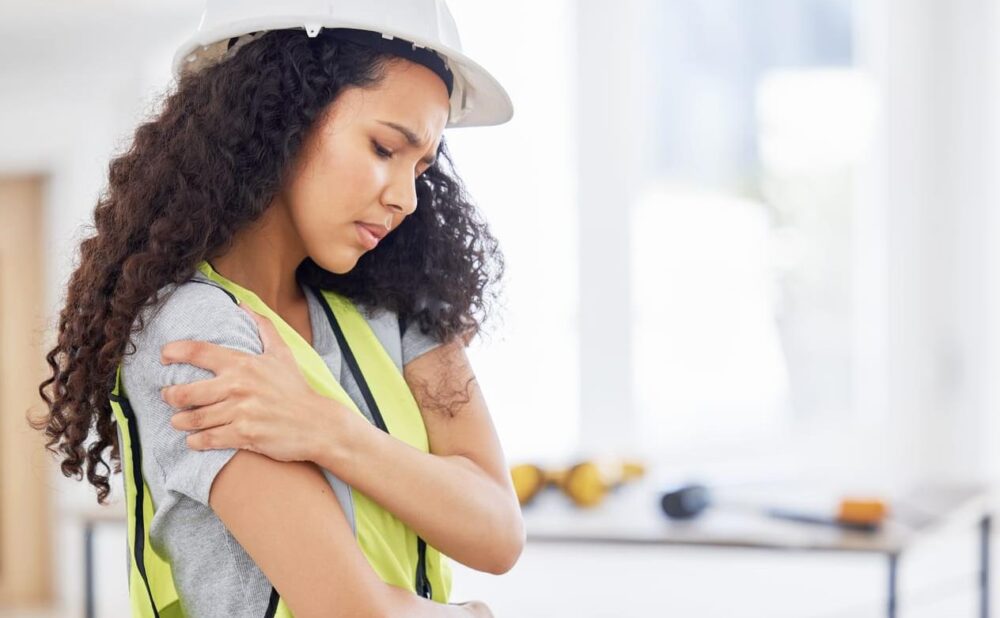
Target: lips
<point>366,237</point>
<point>378,231</point>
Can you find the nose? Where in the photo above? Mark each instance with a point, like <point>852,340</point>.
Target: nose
<point>401,194</point>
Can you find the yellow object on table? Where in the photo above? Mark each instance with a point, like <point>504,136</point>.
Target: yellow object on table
<point>586,483</point>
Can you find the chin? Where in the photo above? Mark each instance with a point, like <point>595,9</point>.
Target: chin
<point>340,265</point>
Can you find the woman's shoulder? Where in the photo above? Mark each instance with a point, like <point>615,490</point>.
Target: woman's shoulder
<point>197,308</point>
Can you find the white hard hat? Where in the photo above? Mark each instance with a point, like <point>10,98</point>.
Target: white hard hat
<point>477,98</point>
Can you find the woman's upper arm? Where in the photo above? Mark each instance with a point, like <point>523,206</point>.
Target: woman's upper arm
<point>286,516</point>
<point>454,411</point>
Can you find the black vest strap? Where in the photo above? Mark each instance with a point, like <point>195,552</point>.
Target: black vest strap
<point>140,489</point>
<point>272,604</point>
<point>422,584</point>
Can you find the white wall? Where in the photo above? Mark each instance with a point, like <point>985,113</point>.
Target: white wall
<point>936,63</point>
<point>67,113</point>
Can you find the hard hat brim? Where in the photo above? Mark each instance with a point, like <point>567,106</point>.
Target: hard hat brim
<point>487,102</point>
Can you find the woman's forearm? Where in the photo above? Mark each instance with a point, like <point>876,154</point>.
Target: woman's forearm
<point>449,501</point>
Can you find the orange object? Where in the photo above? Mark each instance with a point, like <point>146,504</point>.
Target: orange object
<point>862,510</point>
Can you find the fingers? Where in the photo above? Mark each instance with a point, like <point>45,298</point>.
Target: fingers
<point>195,394</point>
<point>218,438</point>
<point>200,353</point>
<point>215,357</point>
<point>217,429</point>
<point>198,419</point>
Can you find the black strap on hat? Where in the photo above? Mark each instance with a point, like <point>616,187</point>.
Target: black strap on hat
<point>399,47</point>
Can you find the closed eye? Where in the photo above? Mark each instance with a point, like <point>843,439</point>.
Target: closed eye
<point>380,151</point>
<point>383,153</point>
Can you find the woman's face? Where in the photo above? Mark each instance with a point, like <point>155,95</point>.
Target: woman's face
<point>361,163</point>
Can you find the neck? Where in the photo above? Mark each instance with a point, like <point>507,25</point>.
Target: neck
<point>263,259</point>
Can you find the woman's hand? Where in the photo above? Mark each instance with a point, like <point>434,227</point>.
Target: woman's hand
<point>257,402</point>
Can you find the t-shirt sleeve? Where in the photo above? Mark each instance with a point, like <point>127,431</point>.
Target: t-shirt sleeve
<point>193,311</point>
<point>416,343</point>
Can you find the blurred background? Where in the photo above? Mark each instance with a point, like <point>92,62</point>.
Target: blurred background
<point>751,243</point>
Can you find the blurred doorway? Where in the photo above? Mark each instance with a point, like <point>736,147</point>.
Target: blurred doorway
<point>25,529</point>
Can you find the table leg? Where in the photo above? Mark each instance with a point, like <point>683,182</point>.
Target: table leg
<point>88,569</point>
<point>893,584</point>
<point>985,526</point>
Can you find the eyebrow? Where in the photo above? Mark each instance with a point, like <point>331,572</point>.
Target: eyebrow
<point>411,139</point>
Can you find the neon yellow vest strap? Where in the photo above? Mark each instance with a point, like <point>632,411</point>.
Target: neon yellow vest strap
<point>151,584</point>
<point>149,576</point>
<point>394,551</point>
<point>427,568</point>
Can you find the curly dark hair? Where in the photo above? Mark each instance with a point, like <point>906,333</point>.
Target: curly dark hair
<point>207,166</point>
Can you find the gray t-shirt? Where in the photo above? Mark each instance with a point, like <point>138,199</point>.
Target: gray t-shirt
<point>212,572</point>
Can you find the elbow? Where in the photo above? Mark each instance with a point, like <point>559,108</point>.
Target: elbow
<point>509,552</point>
<point>507,561</point>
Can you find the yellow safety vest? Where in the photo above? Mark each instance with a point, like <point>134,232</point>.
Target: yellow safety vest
<point>396,553</point>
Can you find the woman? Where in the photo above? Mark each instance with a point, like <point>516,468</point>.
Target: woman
<point>283,278</point>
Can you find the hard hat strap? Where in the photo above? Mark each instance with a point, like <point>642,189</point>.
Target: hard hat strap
<point>399,47</point>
